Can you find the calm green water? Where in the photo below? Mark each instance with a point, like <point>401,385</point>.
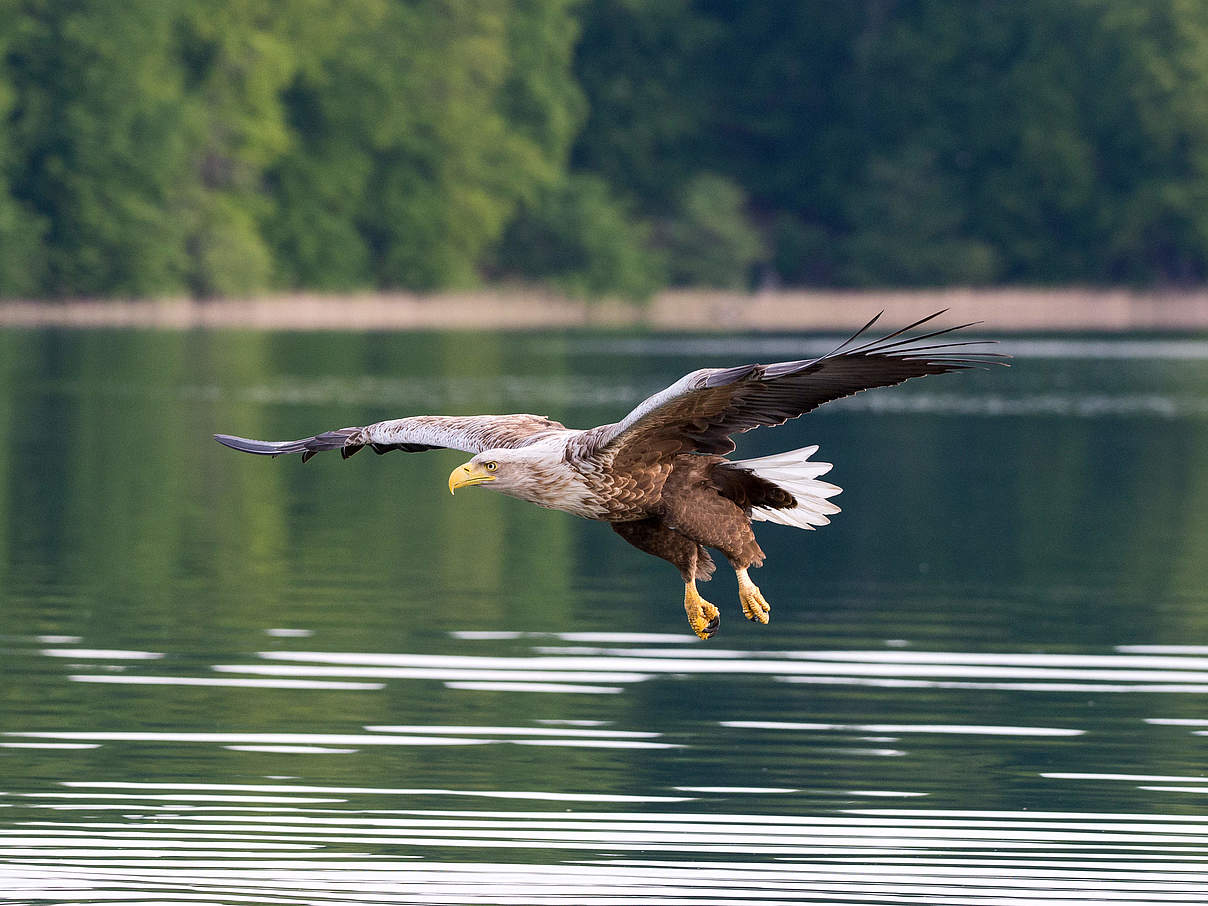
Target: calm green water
<point>228,679</point>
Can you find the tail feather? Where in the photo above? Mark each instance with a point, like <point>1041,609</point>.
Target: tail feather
<point>795,473</point>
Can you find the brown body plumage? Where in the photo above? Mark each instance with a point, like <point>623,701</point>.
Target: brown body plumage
<point>659,475</point>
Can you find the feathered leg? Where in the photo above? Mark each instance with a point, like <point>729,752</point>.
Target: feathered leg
<point>693,561</point>
<point>708,507</point>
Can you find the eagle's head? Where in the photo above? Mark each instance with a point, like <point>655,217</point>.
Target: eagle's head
<point>536,473</point>
<point>505,470</point>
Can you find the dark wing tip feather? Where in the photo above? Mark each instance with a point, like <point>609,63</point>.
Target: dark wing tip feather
<point>898,332</point>
<point>871,321</point>
<point>262,447</point>
<point>307,446</point>
<point>905,349</point>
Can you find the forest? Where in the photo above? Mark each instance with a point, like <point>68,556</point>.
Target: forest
<point>599,147</point>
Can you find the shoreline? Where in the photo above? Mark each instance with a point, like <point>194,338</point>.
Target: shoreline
<point>1002,310</point>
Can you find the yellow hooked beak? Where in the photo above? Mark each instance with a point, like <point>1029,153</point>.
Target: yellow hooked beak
<point>467,474</point>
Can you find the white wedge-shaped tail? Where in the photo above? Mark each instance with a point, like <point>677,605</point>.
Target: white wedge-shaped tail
<point>797,474</point>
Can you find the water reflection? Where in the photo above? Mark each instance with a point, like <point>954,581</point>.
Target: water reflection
<point>282,841</point>
<point>256,682</point>
<point>877,855</point>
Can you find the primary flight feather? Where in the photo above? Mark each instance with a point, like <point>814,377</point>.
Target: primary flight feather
<point>659,476</point>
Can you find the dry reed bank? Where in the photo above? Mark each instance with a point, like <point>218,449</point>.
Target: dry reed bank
<point>1001,309</point>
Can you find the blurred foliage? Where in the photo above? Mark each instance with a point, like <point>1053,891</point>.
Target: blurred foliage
<point>583,240</point>
<point>709,240</point>
<point>219,147</point>
<point>916,141</point>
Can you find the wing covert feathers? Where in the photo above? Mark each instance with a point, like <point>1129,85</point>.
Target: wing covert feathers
<point>700,411</point>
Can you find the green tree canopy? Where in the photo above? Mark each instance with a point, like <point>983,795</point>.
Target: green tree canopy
<point>220,147</point>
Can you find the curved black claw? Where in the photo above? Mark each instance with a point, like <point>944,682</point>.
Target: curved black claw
<point>712,626</point>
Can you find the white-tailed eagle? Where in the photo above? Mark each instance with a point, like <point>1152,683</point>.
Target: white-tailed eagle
<point>659,476</point>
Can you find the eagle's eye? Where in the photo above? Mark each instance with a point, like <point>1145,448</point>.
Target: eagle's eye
<point>490,465</point>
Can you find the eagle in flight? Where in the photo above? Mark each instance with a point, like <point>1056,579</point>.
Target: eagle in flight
<point>659,476</point>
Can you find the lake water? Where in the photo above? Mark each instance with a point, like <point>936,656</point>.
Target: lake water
<point>230,679</point>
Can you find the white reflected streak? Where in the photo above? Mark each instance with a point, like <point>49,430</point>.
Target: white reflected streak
<point>571,722</point>
<point>736,789</point>
<point>702,836</point>
<point>620,638</point>
<point>561,797</point>
<point>597,743</point>
<point>1177,721</point>
<point>887,664</point>
<point>520,669</point>
<point>757,844</point>
<point>487,635</point>
<point>891,819</point>
<point>293,750</point>
<point>515,731</point>
<point>992,814</point>
<point>658,882</point>
<point>95,842</point>
<point>50,745</point>
<point>184,797</point>
<point>334,739</point>
<point>959,729</point>
<point>370,790</point>
<point>600,887</point>
<point>217,681</point>
<point>534,687</point>
<point>1132,778</point>
<point>1175,789</point>
<point>120,807</point>
<point>108,654</point>
<point>183,850</point>
<point>306,868</point>
<point>1013,687</point>
<point>897,656</point>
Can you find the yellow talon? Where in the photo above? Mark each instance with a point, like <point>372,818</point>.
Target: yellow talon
<point>703,617</point>
<point>754,607</point>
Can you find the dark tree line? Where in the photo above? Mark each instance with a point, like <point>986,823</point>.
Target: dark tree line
<point>220,147</point>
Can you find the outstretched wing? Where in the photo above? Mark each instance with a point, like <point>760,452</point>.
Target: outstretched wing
<point>700,411</point>
<point>473,434</point>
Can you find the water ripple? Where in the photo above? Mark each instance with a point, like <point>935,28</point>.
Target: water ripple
<point>869,856</point>
<point>659,827</point>
<point>615,666</point>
